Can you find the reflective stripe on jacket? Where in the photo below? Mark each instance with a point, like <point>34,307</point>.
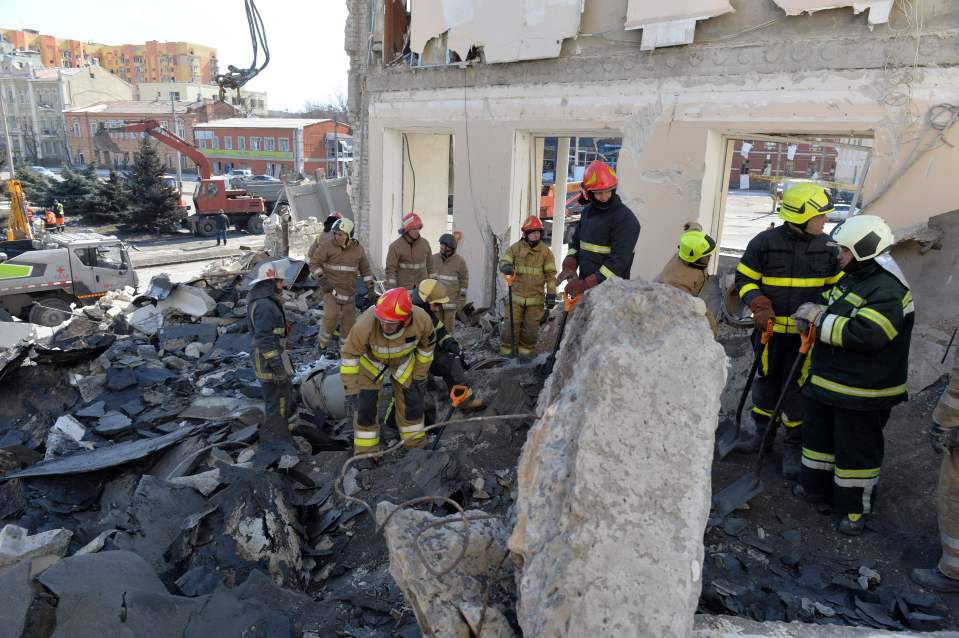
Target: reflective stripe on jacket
<point>368,357</point>
<point>861,358</point>
<point>408,263</point>
<point>788,266</point>
<point>534,270</point>
<point>604,241</point>
<point>340,266</point>
<point>455,277</point>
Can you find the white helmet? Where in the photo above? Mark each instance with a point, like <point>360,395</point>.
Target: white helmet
<point>866,236</point>
<point>343,225</point>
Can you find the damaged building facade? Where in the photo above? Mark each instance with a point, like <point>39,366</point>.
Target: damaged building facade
<point>452,102</point>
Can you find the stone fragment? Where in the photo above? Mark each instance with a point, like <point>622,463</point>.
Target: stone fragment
<point>175,363</point>
<point>94,410</point>
<point>195,350</point>
<point>205,482</point>
<point>609,530</point>
<point>113,423</point>
<point>121,378</point>
<point>146,319</point>
<point>187,300</point>
<point>150,375</point>
<point>16,595</point>
<point>16,544</point>
<point>448,606</point>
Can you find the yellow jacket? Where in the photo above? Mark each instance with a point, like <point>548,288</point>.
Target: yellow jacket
<point>534,269</point>
<point>369,357</point>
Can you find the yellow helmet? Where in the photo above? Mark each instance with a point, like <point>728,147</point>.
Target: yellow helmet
<point>431,291</point>
<point>694,245</point>
<point>804,201</point>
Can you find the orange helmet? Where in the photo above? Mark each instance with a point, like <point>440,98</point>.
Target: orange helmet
<point>531,224</point>
<point>395,305</point>
<point>411,221</point>
<point>599,177</point>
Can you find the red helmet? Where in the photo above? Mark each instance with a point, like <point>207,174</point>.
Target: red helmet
<point>531,224</point>
<point>395,305</point>
<point>599,177</point>
<point>411,221</point>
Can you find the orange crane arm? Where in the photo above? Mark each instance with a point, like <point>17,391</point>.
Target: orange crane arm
<point>171,139</point>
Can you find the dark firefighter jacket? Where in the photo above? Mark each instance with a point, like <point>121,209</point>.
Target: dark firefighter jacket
<point>267,323</point>
<point>789,267</point>
<point>604,241</point>
<point>861,356</point>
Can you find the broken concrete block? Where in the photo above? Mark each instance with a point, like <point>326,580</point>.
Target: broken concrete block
<point>175,363</point>
<point>614,479</point>
<point>187,300</point>
<point>94,410</point>
<point>113,423</point>
<point>121,378</point>
<point>439,603</point>
<point>195,350</point>
<point>205,482</point>
<point>69,426</point>
<point>16,544</point>
<point>146,319</point>
<point>65,437</point>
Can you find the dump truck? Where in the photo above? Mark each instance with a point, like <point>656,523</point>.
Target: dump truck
<point>41,278</point>
<point>213,194</point>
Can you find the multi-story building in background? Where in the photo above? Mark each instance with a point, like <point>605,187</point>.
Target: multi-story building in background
<point>151,61</point>
<point>274,146</point>
<point>35,97</point>
<point>249,102</point>
<point>83,124</point>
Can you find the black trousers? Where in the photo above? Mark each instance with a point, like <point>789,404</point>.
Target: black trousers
<point>777,361</point>
<point>279,406</point>
<point>448,368</point>
<point>842,454</point>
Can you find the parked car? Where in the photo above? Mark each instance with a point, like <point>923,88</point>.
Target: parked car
<point>43,171</point>
<point>262,178</point>
<point>841,211</point>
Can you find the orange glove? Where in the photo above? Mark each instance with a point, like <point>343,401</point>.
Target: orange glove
<point>762,308</point>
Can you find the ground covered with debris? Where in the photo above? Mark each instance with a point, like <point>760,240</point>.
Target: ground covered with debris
<point>136,498</point>
<point>782,560</point>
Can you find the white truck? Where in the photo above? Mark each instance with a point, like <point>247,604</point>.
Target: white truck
<point>40,278</point>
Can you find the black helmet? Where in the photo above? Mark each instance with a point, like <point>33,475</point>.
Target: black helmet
<point>448,240</point>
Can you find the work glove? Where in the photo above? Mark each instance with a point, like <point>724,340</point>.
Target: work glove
<point>762,308</point>
<point>942,439</point>
<point>550,300</point>
<point>507,269</point>
<point>807,314</point>
<point>568,271</point>
<point>577,287</point>
<point>452,346</point>
<point>350,402</point>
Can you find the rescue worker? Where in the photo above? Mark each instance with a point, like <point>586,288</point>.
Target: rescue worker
<point>340,259</point>
<point>50,220</point>
<point>326,234</point>
<point>944,436</point>
<point>857,372</point>
<point>222,224</point>
<point>409,259</point>
<point>451,271</point>
<point>781,269</point>
<point>605,238</point>
<point>393,340</point>
<point>686,269</point>
<point>267,324</point>
<point>531,263</point>
<point>432,297</point>
<point>61,217</point>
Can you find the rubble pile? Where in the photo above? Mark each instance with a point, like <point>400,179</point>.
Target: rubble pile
<point>301,234</point>
<point>136,498</point>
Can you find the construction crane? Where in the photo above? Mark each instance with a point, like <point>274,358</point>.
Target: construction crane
<point>212,195</point>
<point>235,78</point>
<point>18,227</point>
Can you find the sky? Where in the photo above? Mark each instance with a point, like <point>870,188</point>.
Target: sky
<point>307,60</point>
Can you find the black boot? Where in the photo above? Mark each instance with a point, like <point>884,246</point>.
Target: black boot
<point>792,454</point>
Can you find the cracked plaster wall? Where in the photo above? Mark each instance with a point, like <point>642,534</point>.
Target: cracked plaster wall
<point>669,106</point>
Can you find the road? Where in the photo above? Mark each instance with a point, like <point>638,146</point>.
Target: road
<point>185,248</point>
<point>178,273</point>
<point>747,214</point>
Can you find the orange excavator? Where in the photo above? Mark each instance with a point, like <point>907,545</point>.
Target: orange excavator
<point>212,194</point>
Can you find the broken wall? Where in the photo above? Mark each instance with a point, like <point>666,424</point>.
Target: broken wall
<point>752,71</point>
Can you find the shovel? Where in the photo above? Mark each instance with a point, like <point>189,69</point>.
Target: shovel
<point>568,302</point>
<point>512,324</point>
<point>458,394</point>
<point>727,440</point>
<point>748,486</point>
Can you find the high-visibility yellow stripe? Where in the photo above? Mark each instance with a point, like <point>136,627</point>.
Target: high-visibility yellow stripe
<point>349,369</point>
<point>868,473</point>
<point>279,331</point>
<point>749,272</point>
<point>606,272</point>
<point>794,282</point>
<point>758,410</point>
<point>835,278</point>
<point>855,299</point>
<point>865,393</point>
<point>424,357</point>
<point>357,442</point>
<point>570,252</point>
<point>508,258</point>
<point>391,352</point>
<point>595,248</point>
<point>373,367</point>
<point>529,270</point>
<point>785,325</point>
<point>269,354</point>
<point>818,456</point>
<point>747,289</point>
<point>879,319</point>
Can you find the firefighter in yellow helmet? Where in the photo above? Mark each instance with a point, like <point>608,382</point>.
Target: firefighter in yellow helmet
<point>390,341</point>
<point>686,269</point>
<point>783,268</point>
<point>531,263</point>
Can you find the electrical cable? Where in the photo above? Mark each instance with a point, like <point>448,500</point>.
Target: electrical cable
<point>235,77</point>
<point>406,147</point>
